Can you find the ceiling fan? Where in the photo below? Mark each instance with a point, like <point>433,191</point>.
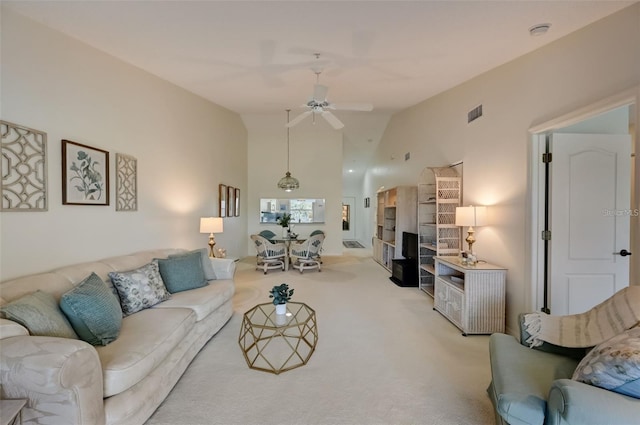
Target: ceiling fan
<point>318,104</point>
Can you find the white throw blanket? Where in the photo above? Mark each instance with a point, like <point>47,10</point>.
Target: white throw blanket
<point>602,322</point>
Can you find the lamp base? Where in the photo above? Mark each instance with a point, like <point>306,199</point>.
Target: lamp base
<point>212,242</point>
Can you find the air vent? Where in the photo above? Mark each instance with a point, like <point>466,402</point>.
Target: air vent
<point>407,156</point>
<point>474,114</point>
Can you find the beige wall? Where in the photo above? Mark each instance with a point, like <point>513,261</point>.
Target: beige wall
<point>596,62</point>
<point>185,147</point>
<point>315,160</point>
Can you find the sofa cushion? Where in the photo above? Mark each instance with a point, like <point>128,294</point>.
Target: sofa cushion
<point>207,267</point>
<point>182,272</point>
<point>93,311</point>
<point>40,314</point>
<point>140,288</point>
<point>203,301</point>
<point>522,377</point>
<point>145,340</point>
<point>614,364</point>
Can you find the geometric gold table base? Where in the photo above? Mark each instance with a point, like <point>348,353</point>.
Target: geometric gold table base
<point>277,343</point>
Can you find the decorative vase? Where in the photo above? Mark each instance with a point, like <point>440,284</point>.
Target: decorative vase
<point>281,309</point>
<point>285,232</point>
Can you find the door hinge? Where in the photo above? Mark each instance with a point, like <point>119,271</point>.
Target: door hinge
<point>546,157</point>
<point>546,235</point>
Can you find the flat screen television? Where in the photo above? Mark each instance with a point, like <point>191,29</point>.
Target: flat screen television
<point>410,245</point>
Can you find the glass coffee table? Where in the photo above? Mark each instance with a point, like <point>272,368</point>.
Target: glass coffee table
<point>277,343</point>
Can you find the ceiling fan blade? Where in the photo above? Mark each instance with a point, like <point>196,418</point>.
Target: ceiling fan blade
<point>365,107</point>
<point>320,92</point>
<point>297,119</point>
<point>332,119</point>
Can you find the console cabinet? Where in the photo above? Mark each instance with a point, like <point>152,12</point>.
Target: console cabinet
<point>471,297</point>
<point>396,213</point>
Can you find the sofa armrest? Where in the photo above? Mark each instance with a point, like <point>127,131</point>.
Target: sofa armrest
<point>224,268</point>
<point>9,328</point>
<point>573,402</point>
<point>61,378</point>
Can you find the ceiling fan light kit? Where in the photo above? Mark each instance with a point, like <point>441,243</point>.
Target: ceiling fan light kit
<point>288,182</point>
<point>319,104</point>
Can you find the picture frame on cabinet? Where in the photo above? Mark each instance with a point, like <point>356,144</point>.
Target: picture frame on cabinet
<point>85,174</point>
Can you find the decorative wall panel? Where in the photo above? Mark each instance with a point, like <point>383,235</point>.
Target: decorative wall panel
<point>23,168</point>
<point>126,183</point>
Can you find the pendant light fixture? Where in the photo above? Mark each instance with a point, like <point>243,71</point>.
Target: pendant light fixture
<point>288,182</point>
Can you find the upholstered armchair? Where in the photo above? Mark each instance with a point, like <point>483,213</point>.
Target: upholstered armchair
<point>305,255</point>
<point>270,255</point>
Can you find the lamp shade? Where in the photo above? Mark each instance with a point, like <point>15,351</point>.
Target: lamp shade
<point>211,225</point>
<point>471,216</point>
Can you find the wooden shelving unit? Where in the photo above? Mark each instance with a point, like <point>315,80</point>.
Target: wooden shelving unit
<point>396,213</point>
<point>439,193</point>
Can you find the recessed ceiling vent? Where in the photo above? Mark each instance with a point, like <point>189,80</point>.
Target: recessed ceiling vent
<point>474,114</point>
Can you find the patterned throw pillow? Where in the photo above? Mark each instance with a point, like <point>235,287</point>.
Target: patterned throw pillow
<point>39,312</point>
<point>93,310</point>
<point>614,364</point>
<point>184,272</point>
<point>140,288</point>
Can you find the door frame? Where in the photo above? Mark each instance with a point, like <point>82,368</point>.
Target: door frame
<point>536,186</point>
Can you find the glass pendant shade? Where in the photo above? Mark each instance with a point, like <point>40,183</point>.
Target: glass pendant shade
<point>288,182</point>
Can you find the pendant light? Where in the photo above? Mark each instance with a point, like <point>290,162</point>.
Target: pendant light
<point>288,183</point>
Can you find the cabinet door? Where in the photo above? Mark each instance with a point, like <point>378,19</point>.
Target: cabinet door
<point>455,305</point>
<point>440,296</point>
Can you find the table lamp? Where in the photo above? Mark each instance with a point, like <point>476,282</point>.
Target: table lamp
<point>471,216</point>
<point>211,225</point>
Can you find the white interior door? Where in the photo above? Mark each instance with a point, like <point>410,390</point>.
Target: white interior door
<point>590,215</point>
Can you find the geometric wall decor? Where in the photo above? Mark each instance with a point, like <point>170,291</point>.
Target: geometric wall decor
<point>23,168</point>
<point>126,183</point>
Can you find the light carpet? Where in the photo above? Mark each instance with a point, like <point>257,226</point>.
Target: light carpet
<point>384,356</point>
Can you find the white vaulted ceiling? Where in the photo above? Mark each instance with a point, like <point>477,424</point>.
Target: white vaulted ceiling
<point>256,56</point>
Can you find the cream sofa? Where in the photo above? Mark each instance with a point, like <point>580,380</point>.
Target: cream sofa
<point>69,381</point>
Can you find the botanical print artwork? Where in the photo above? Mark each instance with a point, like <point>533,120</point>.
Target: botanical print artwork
<point>85,174</point>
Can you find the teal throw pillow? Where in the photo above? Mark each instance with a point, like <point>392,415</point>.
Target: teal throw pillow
<point>614,365</point>
<point>40,314</point>
<point>93,311</point>
<point>207,267</point>
<point>140,288</point>
<point>183,272</point>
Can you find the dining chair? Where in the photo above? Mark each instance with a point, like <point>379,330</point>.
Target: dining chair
<point>267,234</point>
<point>304,255</point>
<point>318,232</point>
<point>270,255</point>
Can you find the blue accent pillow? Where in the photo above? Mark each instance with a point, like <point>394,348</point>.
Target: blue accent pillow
<point>183,272</point>
<point>207,267</point>
<point>614,365</point>
<point>40,314</point>
<point>93,311</point>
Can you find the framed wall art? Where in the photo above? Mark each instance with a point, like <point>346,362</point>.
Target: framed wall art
<point>126,183</point>
<point>23,167</point>
<point>237,208</point>
<point>231,201</point>
<point>222,200</point>
<point>85,174</point>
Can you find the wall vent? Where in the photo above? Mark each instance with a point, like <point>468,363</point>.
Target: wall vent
<point>474,114</point>
<point>407,156</point>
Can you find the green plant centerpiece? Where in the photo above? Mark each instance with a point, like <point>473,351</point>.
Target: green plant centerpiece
<point>284,220</point>
<point>281,294</point>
